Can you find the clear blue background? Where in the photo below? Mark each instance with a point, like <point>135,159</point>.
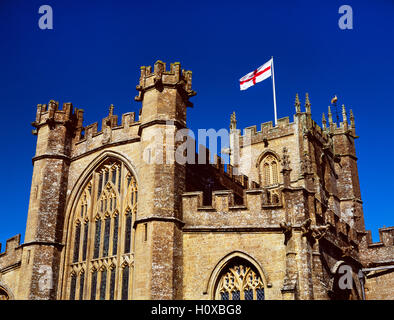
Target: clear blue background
<point>93,55</point>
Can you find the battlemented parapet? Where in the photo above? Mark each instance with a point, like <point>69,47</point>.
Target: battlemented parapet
<point>10,263</point>
<point>378,262</point>
<point>289,207</point>
<point>379,253</point>
<point>111,133</point>
<point>11,257</point>
<point>224,213</point>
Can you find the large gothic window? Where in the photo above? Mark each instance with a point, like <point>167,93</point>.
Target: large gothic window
<point>269,170</point>
<point>100,248</point>
<point>240,280</point>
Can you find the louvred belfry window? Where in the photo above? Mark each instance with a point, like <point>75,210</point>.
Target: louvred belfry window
<point>100,247</point>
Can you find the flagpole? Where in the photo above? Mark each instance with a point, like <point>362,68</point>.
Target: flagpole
<point>273,87</point>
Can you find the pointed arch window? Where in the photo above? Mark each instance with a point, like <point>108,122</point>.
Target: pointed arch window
<point>240,280</point>
<point>73,286</point>
<point>103,284</point>
<point>102,235</point>
<point>93,285</point>
<point>269,170</point>
<point>125,282</point>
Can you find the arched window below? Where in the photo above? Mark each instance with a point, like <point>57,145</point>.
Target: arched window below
<point>240,280</point>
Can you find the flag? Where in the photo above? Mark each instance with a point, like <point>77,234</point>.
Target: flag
<point>258,75</point>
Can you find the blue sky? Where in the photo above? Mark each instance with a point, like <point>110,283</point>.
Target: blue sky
<point>92,59</point>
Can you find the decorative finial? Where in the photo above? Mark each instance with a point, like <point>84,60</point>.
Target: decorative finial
<point>329,115</point>
<point>233,122</point>
<point>111,109</point>
<point>307,104</point>
<point>351,116</point>
<point>297,104</point>
<point>344,113</point>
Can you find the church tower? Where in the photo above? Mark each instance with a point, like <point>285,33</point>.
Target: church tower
<point>55,130</point>
<point>158,240</point>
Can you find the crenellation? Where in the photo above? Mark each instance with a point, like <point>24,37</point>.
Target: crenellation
<point>176,77</point>
<point>12,244</point>
<point>128,119</point>
<point>266,126</point>
<point>291,206</point>
<point>268,132</point>
<point>282,122</point>
<point>386,237</point>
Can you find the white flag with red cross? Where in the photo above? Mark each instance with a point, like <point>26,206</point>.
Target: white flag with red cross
<point>258,75</point>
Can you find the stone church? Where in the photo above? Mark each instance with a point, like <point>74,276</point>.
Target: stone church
<point>283,220</point>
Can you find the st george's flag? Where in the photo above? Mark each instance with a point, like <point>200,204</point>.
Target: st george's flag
<point>258,75</point>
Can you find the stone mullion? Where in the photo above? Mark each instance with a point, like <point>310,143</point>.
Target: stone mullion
<point>107,284</point>
<point>76,297</point>
<point>92,230</point>
<point>81,234</point>
<point>98,284</point>
<point>121,224</point>
<point>131,268</point>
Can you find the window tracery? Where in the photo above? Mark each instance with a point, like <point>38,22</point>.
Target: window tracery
<point>102,235</point>
<point>240,281</point>
<point>269,167</point>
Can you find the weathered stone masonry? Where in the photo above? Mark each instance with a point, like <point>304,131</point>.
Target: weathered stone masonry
<point>285,214</point>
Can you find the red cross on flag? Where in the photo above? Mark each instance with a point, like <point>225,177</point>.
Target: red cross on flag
<point>258,75</point>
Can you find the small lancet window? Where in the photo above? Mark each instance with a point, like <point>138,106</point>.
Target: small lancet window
<point>81,284</point>
<point>73,286</point>
<point>127,240</point>
<point>125,283</point>
<point>77,242</point>
<point>113,176</point>
<point>103,284</point>
<point>106,177</point>
<point>93,286</point>
<point>97,239</point>
<point>112,284</point>
<point>115,237</point>
<point>107,226</point>
<point>100,184</point>
<point>85,240</point>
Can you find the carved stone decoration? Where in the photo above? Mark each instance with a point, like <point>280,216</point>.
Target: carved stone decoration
<point>233,122</point>
<point>307,163</point>
<point>107,133</point>
<point>287,229</point>
<point>319,232</point>
<point>306,227</point>
<point>285,161</point>
<point>313,232</point>
<point>297,104</point>
<point>346,251</point>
